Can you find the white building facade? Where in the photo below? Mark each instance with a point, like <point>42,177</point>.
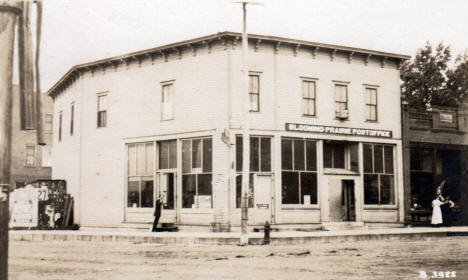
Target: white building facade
<point>325,126</point>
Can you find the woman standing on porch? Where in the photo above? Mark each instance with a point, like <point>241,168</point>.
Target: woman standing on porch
<point>436,219</point>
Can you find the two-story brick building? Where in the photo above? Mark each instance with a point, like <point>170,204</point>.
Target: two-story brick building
<point>325,126</point>
<point>29,161</point>
<point>436,149</point>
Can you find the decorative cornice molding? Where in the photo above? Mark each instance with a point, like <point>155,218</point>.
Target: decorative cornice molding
<point>178,50</point>
<point>225,38</point>
<point>257,44</point>
<point>367,59</point>
<point>193,49</point>
<point>350,57</point>
<point>314,52</point>
<point>333,54</point>
<point>383,61</point>
<point>296,49</point>
<point>277,47</point>
<point>234,42</point>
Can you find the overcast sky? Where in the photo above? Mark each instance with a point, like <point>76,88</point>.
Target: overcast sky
<point>78,31</point>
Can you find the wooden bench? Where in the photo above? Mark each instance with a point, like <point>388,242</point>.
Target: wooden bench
<point>421,216</point>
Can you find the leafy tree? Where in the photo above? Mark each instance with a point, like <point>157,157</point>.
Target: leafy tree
<point>457,79</point>
<point>424,78</point>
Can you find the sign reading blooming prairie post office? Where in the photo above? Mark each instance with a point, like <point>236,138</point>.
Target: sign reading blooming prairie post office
<point>338,130</point>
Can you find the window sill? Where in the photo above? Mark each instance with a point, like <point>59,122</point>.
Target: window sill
<point>309,116</point>
<point>336,171</point>
<point>301,207</point>
<point>165,120</point>
<point>196,210</point>
<point>380,207</point>
<point>371,121</point>
<point>140,209</point>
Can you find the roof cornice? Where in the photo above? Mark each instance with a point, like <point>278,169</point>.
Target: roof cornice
<point>76,70</point>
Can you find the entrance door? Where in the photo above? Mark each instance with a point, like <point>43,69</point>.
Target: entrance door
<point>263,205</point>
<point>348,201</point>
<point>167,189</point>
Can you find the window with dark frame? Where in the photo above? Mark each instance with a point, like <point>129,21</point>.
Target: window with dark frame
<point>167,154</point>
<point>298,171</point>
<point>308,98</point>
<point>30,155</point>
<point>72,117</point>
<point>167,102</point>
<point>48,120</point>
<point>102,111</point>
<point>341,155</point>
<point>254,93</point>
<point>341,101</point>
<point>379,179</point>
<point>260,162</point>
<point>371,104</point>
<point>60,127</point>
<point>197,174</point>
<point>140,175</point>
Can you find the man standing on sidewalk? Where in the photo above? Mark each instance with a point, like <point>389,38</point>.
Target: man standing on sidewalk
<point>157,213</point>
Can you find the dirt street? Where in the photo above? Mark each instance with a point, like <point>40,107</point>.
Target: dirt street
<point>386,259</point>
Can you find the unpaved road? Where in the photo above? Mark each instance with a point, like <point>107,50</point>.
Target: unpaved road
<point>385,259</point>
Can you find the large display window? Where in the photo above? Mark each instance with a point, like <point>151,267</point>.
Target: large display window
<point>298,171</point>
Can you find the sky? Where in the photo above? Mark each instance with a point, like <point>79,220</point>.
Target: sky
<point>79,31</point>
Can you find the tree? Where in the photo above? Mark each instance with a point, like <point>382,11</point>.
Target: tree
<point>424,78</point>
<point>427,80</point>
<point>457,79</point>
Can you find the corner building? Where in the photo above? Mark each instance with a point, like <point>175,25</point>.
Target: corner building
<point>325,135</point>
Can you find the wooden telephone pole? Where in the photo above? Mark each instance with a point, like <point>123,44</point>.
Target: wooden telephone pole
<point>11,13</point>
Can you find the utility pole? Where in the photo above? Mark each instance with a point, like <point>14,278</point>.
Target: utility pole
<point>244,238</point>
<point>8,17</point>
<point>11,13</point>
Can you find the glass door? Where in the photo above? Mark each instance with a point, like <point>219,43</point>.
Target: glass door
<point>167,191</point>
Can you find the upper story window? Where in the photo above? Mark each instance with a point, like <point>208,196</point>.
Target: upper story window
<point>72,117</point>
<point>308,98</point>
<point>371,104</point>
<point>46,156</point>
<point>60,127</point>
<point>48,122</point>
<point>30,155</point>
<point>102,111</point>
<point>254,93</point>
<point>167,102</point>
<point>341,101</point>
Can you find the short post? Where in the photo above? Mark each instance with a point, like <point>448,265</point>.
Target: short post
<point>266,233</point>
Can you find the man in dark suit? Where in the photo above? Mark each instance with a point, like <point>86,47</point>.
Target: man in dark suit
<point>157,212</point>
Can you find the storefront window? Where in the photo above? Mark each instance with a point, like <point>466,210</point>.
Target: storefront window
<point>379,179</point>
<point>260,161</point>
<point>340,155</point>
<point>168,154</point>
<point>299,171</point>
<point>140,175</point>
<point>197,173</point>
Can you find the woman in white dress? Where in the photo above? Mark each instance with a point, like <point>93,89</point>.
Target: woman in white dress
<point>436,212</point>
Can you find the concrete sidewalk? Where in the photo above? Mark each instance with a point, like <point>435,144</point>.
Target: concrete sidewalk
<point>232,238</point>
